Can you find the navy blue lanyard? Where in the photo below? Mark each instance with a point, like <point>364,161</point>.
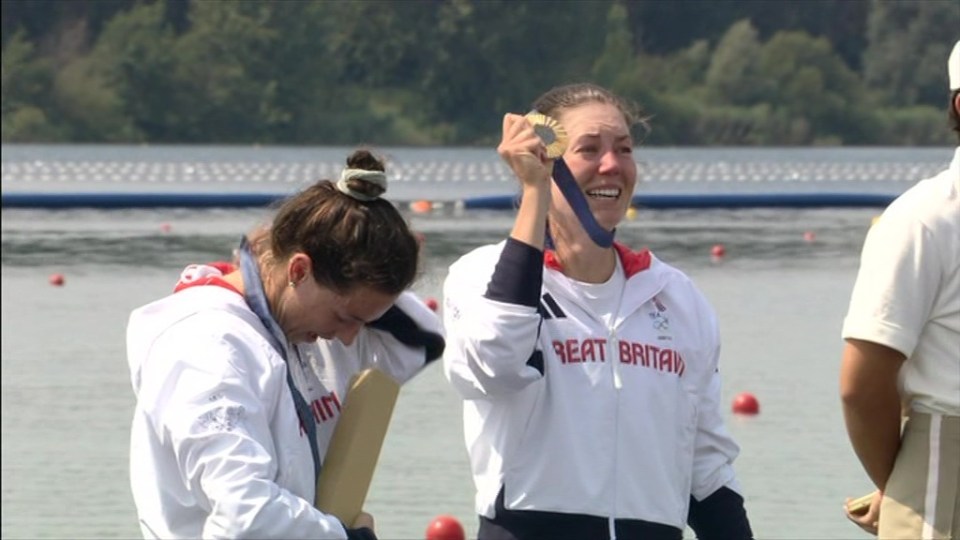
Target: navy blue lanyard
<point>578,202</point>
<point>257,300</point>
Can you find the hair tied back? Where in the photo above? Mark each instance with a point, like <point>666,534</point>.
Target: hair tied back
<point>361,184</point>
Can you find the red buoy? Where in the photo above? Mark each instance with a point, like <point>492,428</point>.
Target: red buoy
<point>718,251</point>
<point>809,237</point>
<point>56,280</point>
<point>445,528</point>
<point>431,303</point>
<point>746,403</point>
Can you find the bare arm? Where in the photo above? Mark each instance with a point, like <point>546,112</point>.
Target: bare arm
<point>871,405</point>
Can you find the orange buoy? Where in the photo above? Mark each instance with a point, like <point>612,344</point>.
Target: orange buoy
<point>445,528</point>
<point>56,280</point>
<point>421,206</point>
<point>746,403</point>
<point>431,303</point>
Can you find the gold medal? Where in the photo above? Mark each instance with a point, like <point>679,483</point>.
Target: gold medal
<point>550,132</point>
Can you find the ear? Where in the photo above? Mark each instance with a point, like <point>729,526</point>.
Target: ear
<point>299,267</point>
<point>956,103</point>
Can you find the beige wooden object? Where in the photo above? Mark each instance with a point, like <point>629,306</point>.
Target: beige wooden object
<point>355,445</point>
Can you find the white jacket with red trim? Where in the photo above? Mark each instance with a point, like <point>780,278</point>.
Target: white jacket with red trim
<point>567,414</point>
<point>216,448</point>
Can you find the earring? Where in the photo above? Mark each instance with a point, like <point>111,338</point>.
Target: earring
<point>292,284</point>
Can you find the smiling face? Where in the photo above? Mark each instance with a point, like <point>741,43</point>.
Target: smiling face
<point>600,156</point>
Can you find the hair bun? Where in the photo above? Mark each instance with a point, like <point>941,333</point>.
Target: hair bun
<point>362,184</point>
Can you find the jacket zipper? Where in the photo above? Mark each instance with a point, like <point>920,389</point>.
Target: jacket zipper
<point>617,385</point>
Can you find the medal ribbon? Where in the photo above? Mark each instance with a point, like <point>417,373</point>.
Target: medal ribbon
<point>257,300</point>
<point>578,202</point>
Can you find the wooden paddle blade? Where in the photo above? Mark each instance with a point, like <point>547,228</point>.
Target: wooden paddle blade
<point>355,445</point>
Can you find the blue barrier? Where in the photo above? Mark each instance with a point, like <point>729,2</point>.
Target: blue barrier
<point>496,202</point>
<point>765,200</point>
<point>116,200</point>
<point>722,200</point>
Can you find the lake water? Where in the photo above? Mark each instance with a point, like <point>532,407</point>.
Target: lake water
<point>780,293</point>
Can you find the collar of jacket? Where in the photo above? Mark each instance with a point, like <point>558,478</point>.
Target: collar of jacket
<point>633,262</point>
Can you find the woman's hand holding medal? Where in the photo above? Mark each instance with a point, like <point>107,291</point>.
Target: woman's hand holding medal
<point>529,145</point>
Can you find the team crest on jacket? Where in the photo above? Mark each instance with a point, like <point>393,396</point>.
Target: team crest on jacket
<point>660,322</point>
<point>659,318</point>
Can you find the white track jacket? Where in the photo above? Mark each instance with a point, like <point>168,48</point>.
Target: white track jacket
<point>216,447</point>
<point>568,414</point>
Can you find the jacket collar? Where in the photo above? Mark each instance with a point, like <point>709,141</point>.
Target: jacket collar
<point>633,262</point>
<point>645,278</point>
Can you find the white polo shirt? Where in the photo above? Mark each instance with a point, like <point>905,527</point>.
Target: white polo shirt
<point>907,293</point>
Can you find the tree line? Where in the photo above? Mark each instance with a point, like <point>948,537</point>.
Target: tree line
<point>443,72</point>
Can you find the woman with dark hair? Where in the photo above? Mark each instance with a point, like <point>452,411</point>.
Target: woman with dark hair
<point>224,443</point>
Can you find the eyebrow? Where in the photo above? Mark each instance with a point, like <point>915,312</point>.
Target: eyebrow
<point>619,138</point>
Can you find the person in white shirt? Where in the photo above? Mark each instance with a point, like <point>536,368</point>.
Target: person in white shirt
<point>223,443</point>
<point>588,371</point>
<point>902,355</point>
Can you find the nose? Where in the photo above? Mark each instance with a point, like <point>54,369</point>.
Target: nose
<point>348,332</point>
<point>609,162</point>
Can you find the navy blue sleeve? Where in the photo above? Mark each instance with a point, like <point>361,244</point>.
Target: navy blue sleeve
<point>518,275</point>
<point>721,516</point>
<point>402,327</point>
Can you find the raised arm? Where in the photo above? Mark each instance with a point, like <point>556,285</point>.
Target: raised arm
<point>404,340</point>
<point>491,320</point>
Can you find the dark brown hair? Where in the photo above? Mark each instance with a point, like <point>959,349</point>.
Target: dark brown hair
<point>351,242</point>
<point>568,96</point>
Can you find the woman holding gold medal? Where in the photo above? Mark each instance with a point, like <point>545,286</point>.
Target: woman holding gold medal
<point>588,371</point>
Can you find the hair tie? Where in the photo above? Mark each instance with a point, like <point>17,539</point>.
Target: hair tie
<point>377,178</point>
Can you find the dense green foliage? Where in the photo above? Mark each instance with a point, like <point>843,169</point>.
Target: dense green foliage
<point>438,72</point>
